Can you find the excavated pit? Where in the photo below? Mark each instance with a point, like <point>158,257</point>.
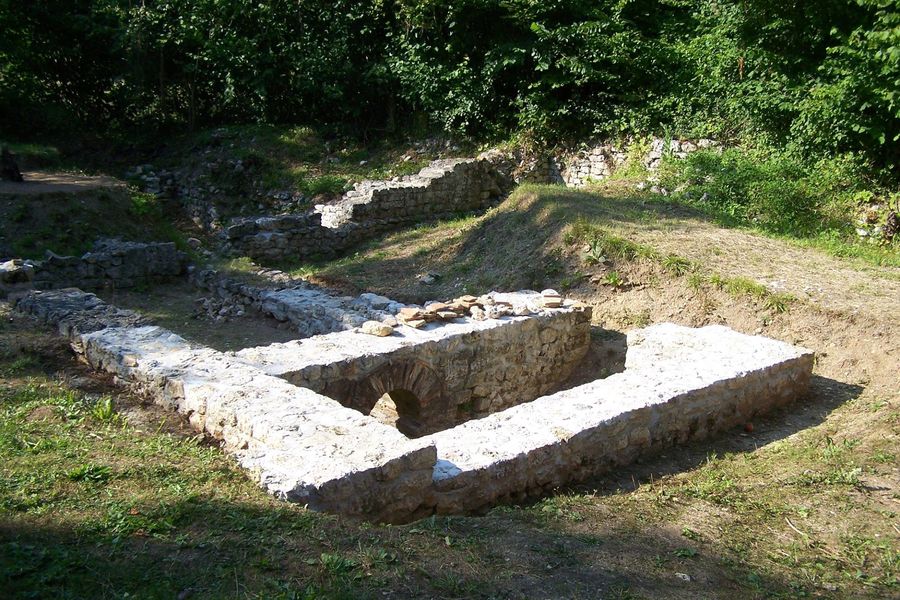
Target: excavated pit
<point>291,413</point>
<point>443,374</point>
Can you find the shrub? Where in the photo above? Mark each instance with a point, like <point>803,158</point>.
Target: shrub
<point>774,191</point>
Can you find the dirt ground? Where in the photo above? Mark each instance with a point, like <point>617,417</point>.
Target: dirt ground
<point>175,307</point>
<point>42,182</point>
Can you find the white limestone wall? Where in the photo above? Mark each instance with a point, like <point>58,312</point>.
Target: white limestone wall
<point>679,384</point>
<point>458,370</point>
<point>300,445</point>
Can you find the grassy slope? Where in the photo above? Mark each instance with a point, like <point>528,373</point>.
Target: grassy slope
<point>805,503</point>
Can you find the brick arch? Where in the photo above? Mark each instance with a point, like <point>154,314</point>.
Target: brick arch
<point>416,389</point>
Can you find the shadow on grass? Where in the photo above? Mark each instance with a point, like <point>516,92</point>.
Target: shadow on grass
<point>220,549</point>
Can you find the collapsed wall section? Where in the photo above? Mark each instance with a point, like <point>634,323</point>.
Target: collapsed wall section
<point>310,309</point>
<point>109,263</point>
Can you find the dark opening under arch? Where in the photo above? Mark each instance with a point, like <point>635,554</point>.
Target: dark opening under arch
<point>415,391</point>
<point>402,409</point>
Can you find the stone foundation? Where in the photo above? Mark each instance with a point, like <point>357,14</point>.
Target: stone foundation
<point>679,384</point>
<point>300,446</point>
<point>452,372</point>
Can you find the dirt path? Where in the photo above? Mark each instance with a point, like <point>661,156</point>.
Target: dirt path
<point>841,285</point>
<point>40,182</point>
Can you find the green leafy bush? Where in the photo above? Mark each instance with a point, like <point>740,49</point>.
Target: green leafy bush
<point>774,191</point>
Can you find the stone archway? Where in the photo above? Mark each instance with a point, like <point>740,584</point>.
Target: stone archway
<point>417,391</point>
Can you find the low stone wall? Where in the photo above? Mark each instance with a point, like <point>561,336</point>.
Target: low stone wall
<point>591,162</point>
<point>443,189</point>
<point>452,372</point>
<point>679,384</point>
<point>299,445</point>
<point>598,161</point>
<point>110,263</point>
<point>308,308</point>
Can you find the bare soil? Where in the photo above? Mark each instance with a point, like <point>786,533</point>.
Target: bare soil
<point>42,182</point>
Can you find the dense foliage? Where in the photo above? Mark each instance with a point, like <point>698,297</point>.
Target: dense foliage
<point>822,77</point>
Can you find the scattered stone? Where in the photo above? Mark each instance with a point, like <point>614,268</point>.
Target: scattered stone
<point>194,244</point>
<point>551,298</point>
<point>376,328</point>
<point>477,313</point>
<point>375,301</point>
<point>429,278</point>
<point>891,227</point>
<point>496,311</point>
<point>486,299</point>
<point>16,271</point>
<point>410,313</point>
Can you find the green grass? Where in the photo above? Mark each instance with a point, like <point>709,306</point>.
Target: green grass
<point>31,155</point>
<point>68,224</point>
<point>774,193</point>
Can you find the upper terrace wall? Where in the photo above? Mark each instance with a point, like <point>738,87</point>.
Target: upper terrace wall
<point>443,189</point>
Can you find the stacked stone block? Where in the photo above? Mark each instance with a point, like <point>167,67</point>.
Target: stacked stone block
<point>109,263</point>
<point>458,371</point>
<point>443,189</point>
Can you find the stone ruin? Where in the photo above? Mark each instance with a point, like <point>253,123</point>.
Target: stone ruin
<point>443,189</point>
<point>478,416</point>
<point>392,412</point>
<point>110,263</point>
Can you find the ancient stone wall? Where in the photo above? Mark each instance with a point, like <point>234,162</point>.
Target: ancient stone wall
<point>576,167</point>
<point>679,384</point>
<point>308,308</point>
<point>597,162</point>
<point>443,189</point>
<point>301,446</point>
<point>454,371</point>
<point>110,263</point>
